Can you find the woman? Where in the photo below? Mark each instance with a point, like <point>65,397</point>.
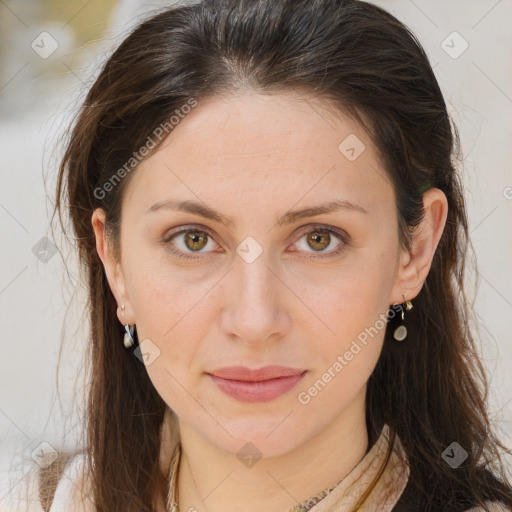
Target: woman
<point>274,234</point>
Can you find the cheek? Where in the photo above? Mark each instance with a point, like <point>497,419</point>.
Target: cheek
<point>170,313</point>
<point>174,309</point>
<point>164,298</point>
<point>344,363</point>
<point>350,301</point>
<point>354,309</point>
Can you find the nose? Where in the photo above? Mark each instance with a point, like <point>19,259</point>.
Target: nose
<point>254,309</point>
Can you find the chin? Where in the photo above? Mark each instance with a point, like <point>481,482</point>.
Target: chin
<point>272,436</point>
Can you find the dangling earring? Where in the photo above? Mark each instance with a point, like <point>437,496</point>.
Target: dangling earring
<point>128,339</point>
<point>401,331</point>
<point>128,336</point>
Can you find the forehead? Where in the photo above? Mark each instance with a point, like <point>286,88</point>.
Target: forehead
<point>269,127</point>
<point>253,147</point>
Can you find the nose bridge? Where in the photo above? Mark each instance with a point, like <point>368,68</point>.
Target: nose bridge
<point>255,276</point>
<point>254,312</point>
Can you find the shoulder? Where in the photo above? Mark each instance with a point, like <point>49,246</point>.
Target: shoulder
<point>495,506</point>
<point>56,487</point>
<point>67,485</point>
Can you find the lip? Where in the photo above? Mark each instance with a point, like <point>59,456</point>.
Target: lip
<point>262,385</point>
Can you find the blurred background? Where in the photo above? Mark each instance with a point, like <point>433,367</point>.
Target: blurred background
<point>50,53</point>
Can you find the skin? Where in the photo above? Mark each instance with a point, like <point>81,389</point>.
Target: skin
<point>253,158</point>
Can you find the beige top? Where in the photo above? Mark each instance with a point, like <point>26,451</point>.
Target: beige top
<point>343,496</point>
<point>19,492</point>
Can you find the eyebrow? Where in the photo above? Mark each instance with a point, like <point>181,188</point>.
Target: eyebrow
<point>288,218</point>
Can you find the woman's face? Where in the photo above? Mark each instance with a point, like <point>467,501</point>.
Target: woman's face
<point>272,287</point>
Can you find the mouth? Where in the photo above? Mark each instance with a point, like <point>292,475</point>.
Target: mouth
<point>263,385</point>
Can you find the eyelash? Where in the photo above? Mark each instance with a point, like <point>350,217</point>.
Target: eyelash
<point>187,256</point>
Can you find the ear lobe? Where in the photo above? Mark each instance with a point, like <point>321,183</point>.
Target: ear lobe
<point>425,239</point>
<point>113,269</point>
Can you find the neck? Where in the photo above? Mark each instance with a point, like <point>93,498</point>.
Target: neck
<point>279,482</point>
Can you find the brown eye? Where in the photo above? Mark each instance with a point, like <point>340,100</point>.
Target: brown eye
<point>319,240</point>
<point>186,242</point>
<point>195,240</point>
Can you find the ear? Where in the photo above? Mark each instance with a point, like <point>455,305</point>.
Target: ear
<point>113,268</point>
<point>415,264</point>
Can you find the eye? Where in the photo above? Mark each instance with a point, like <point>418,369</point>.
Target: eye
<point>320,238</point>
<point>194,240</point>
<point>187,241</point>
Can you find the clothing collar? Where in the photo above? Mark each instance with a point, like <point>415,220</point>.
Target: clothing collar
<point>391,480</point>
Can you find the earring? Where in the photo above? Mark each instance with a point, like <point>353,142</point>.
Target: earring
<point>401,331</point>
<point>128,339</point>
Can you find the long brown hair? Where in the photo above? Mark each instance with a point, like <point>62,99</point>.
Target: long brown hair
<point>431,390</point>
